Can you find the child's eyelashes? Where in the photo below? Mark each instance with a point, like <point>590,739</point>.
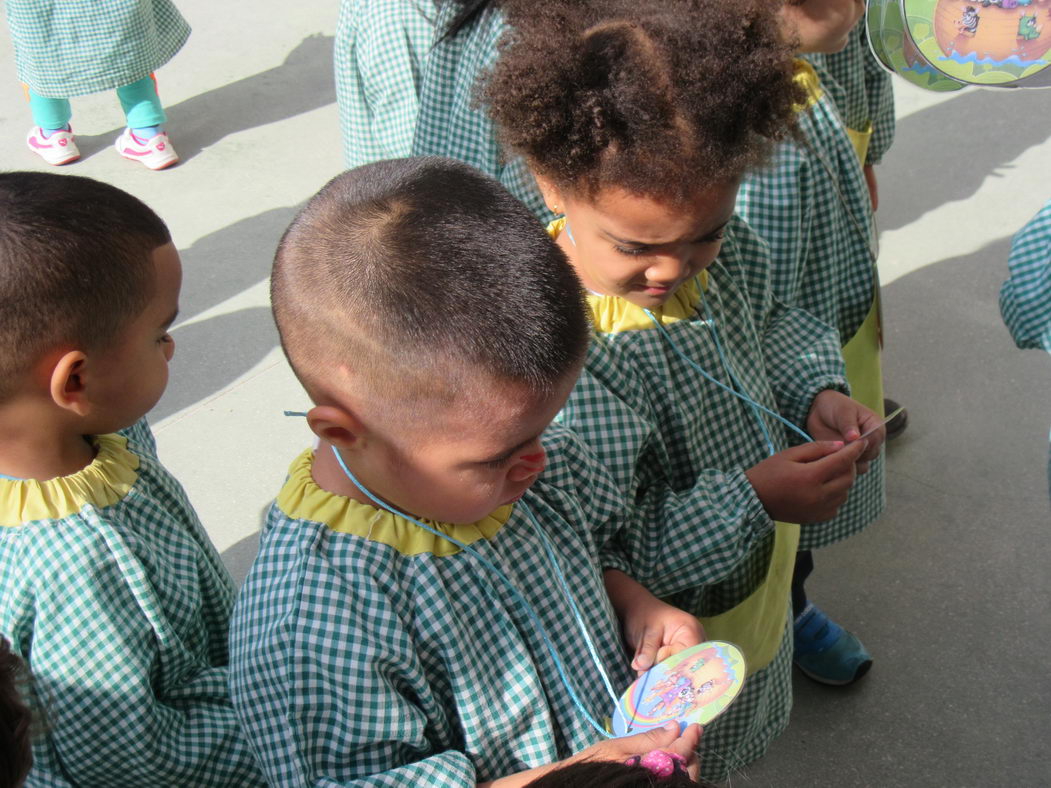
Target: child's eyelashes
<point>636,251</point>
<point>631,251</point>
<point>498,463</point>
<point>165,339</point>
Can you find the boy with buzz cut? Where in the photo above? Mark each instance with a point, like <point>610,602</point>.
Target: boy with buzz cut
<point>110,590</point>
<point>427,607</point>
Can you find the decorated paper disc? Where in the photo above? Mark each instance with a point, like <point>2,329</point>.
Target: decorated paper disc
<point>695,685</point>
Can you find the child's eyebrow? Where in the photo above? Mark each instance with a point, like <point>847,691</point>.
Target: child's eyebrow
<point>171,319</point>
<point>703,237</point>
<point>505,455</point>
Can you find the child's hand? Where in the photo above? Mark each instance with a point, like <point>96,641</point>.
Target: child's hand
<point>656,631</point>
<point>808,483</point>
<point>835,416</point>
<point>666,738</point>
<point>870,181</point>
<point>653,630</point>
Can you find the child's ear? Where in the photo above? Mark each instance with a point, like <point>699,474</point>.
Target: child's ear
<point>337,426</point>
<point>68,384</point>
<point>551,193</point>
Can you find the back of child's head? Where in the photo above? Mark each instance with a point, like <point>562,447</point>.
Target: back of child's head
<point>15,720</point>
<point>75,266</point>
<point>609,774</point>
<point>416,275</point>
<point>656,98</point>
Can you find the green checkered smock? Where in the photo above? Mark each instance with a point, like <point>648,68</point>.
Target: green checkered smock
<point>678,445</point>
<point>365,651</point>
<point>69,48</point>
<point>120,609</point>
<point>811,205</point>
<point>866,96</point>
<point>1025,298</point>
<point>402,90</point>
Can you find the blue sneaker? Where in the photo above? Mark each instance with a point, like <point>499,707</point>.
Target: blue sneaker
<point>826,652</point>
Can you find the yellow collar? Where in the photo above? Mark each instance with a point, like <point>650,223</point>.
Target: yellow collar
<point>806,77</point>
<point>302,499</point>
<point>103,482</point>
<point>612,314</point>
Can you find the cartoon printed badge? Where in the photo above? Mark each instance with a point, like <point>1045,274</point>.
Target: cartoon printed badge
<point>895,51</point>
<point>983,42</point>
<point>695,685</point>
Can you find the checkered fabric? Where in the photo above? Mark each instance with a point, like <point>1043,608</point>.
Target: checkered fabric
<point>756,717</point>
<point>352,661</point>
<point>121,613</point>
<point>403,90</point>
<point>678,444</point>
<point>380,52</point>
<point>811,205</point>
<point>865,92</point>
<point>69,48</point>
<point>1025,298</point>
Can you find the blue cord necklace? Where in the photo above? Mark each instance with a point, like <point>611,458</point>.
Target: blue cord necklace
<point>530,611</point>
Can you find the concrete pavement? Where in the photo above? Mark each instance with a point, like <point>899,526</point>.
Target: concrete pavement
<point>950,590</point>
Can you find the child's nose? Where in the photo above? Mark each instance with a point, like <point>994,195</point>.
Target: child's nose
<point>527,466</point>
<point>671,267</point>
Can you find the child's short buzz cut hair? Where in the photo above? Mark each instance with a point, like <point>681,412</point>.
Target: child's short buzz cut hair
<point>416,274</point>
<point>75,266</point>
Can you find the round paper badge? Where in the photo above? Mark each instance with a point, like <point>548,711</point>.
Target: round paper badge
<point>695,685</point>
<point>895,50</point>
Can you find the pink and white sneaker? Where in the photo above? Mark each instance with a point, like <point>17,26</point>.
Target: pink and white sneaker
<point>59,148</point>
<point>156,152</point>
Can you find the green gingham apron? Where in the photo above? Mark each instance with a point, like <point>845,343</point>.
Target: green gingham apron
<point>811,205</point>
<point>678,445</point>
<point>354,658</point>
<point>69,48</point>
<point>121,613</point>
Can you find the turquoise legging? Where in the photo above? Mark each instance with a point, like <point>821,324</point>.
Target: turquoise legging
<point>141,104</point>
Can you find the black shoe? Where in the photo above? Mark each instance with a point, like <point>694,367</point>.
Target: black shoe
<point>897,425</point>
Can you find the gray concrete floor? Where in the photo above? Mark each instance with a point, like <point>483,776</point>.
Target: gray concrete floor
<point>950,590</point>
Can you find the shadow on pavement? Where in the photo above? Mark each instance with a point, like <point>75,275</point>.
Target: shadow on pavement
<point>303,82</point>
<point>960,143</point>
<point>950,589</point>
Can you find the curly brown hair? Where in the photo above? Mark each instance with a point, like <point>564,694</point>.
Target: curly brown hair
<point>659,98</point>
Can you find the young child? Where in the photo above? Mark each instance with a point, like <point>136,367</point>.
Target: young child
<point>109,588</point>
<point>1025,298</point>
<point>67,48</point>
<point>427,607</point>
<point>811,205</point>
<point>638,122</point>
<point>657,769</point>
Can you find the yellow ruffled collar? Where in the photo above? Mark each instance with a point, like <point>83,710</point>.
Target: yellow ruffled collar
<point>806,77</point>
<point>103,482</point>
<point>612,314</point>
<point>302,499</point>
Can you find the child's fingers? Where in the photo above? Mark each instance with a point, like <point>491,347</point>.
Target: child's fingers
<point>839,465</point>
<point>810,452</point>
<point>686,746</point>
<point>646,651</point>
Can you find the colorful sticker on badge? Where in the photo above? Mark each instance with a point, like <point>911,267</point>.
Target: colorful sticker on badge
<point>695,685</point>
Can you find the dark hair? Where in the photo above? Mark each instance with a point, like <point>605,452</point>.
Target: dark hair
<point>400,267</point>
<point>75,266</point>
<point>15,720</point>
<point>467,11</point>
<point>659,98</point>
<point>608,774</point>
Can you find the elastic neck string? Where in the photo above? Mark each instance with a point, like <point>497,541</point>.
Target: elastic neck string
<point>11,478</point>
<point>755,406</point>
<point>530,612</point>
<point>569,233</point>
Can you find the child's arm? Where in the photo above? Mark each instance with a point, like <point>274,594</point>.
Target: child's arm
<point>653,630</point>
<point>125,693</point>
<point>1025,298</point>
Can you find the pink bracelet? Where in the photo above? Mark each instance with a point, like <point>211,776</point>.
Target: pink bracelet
<point>659,763</point>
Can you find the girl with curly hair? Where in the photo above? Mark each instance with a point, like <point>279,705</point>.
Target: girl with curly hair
<point>638,122</point>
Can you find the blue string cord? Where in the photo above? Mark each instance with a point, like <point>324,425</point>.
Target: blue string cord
<point>534,618</point>
<point>755,406</point>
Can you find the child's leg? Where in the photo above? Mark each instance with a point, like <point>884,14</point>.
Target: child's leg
<point>144,140</point>
<point>51,138</point>
<point>142,107</point>
<point>50,114</point>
